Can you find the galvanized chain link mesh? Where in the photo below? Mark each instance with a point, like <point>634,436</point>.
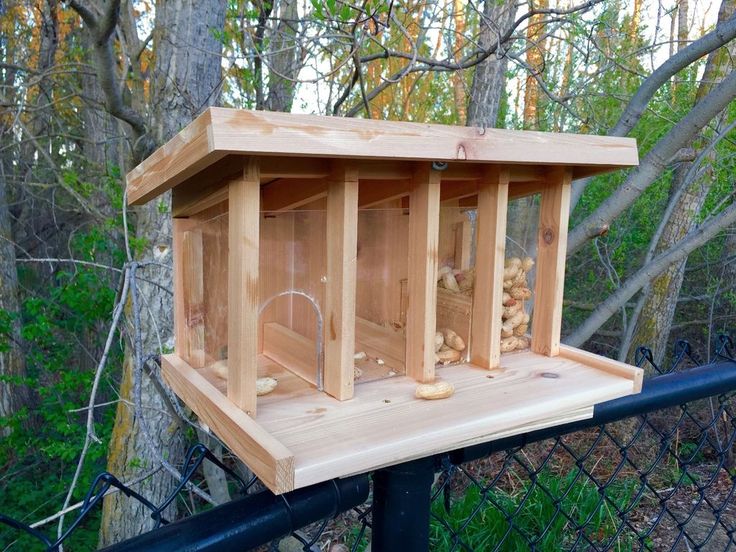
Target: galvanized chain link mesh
<point>660,481</point>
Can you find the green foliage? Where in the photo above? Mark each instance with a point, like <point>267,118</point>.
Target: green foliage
<point>345,12</point>
<point>535,512</point>
<point>72,180</point>
<point>43,446</point>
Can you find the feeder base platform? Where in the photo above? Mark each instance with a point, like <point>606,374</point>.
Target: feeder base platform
<point>302,436</point>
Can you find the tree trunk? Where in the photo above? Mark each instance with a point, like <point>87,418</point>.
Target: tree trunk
<point>186,80</point>
<point>489,80</point>
<point>683,9</point>
<point>536,45</point>
<point>635,19</point>
<point>13,396</point>
<point>680,41</point>
<point>35,214</point>
<point>652,326</point>
<point>284,58</point>
<point>458,77</point>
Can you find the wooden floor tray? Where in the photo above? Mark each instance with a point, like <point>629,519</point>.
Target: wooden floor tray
<point>302,437</point>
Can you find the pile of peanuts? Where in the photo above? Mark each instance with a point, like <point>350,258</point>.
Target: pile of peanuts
<point>448,346</point>
<point>515,292</point>
<point>455,280</point>
<point>515,319</point>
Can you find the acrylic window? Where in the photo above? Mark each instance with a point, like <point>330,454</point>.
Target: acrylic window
<point>455,283</point>
<point>292,266</point>
<point>381,297</point>
<point>201,266</point>
<point>519,272</point>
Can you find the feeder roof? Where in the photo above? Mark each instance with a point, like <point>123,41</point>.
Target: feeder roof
<point>220,134</point>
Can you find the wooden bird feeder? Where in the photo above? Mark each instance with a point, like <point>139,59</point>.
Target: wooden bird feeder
<point>326,253</point>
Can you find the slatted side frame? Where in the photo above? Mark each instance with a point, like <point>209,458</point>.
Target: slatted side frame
<point>342,260</point>
<point>244,195</point>
<point>554,214</point>
<point>421,316</point>
<point>493,193</point>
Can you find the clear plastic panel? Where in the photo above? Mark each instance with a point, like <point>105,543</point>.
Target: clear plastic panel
<point>519,273</point>
<point>292,269</point>
<point>455,284</point>
<point>203,259</point>
<point>381,292</point>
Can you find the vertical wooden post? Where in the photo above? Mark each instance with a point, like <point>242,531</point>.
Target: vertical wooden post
<point>244,196</point>
<point>421,316</point>
<point>192,270</point>
<point>485,340</point>
<point>342,247</point>
<point>181,226</point>
<point>554,214</point>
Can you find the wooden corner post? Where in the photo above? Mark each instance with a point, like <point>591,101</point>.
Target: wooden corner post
<point>342,261</point>
<point>554,214</point>
<point>421,316</point>
<point>244,196</point>
<point>188,292</point>
<point>485,339</point>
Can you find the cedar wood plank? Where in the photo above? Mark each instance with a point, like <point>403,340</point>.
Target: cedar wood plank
<point>219,131</point>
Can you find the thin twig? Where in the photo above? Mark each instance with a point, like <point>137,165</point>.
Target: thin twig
<point>90,434</point>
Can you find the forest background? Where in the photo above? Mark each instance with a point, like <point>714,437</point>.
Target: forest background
<point>89,89</point>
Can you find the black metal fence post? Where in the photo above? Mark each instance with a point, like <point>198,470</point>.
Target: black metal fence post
<point>401,506</point>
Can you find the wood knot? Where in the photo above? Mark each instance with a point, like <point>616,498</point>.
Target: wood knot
<point>548,235</point>
<point>333,331</point>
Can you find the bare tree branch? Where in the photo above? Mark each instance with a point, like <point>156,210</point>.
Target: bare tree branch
<point>106,69</point>
<point>653,164</point>
<point>109,21</point>
<point>722,34</point>
<point>421,63</point>
<point>89,18</point>
<point>648,272</point>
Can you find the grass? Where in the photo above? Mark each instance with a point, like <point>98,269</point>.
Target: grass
<point>538,519</point>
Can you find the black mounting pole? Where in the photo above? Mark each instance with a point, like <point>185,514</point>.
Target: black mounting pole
<point>401,503</point>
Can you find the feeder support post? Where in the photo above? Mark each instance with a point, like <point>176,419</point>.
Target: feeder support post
<point>244,197</point>
<point>493,195</point>
<point>554,214</point>
<point>342,261</point>
<point>189,291</point>
<point>401,506</point>
<point>421,316</point>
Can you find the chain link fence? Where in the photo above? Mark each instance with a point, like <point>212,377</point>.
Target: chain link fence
<point>661,480</point>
